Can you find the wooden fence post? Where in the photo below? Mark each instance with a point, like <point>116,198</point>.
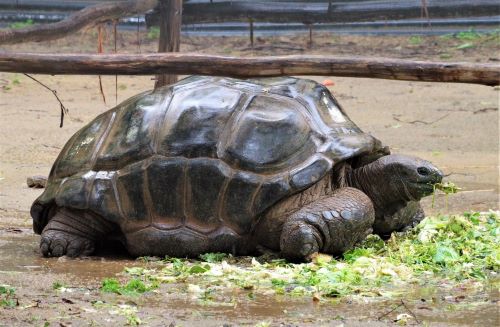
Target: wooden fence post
<point>170,34</point>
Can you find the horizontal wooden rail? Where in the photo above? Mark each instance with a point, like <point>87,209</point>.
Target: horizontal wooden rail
<point>189,63</point>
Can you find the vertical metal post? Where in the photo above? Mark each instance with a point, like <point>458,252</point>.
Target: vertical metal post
<point>251,32</point>
<point>310,43</point>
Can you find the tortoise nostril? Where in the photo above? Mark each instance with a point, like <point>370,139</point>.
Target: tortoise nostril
<point>423,171</point>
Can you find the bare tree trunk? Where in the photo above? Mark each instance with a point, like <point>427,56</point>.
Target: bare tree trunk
<point>189,63</point>
<point>93,15</point>
<point>170,34</point>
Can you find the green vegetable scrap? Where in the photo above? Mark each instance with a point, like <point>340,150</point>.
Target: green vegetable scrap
<point>447,250</point>
<point>446,188</point>
<point>7,299</point>
<point>134,287</point>
<point>214,257</point>
<point>58,285</point>
<point>129,312</point>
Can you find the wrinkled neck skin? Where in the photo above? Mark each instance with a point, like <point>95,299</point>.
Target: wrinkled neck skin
<point>387,191</point>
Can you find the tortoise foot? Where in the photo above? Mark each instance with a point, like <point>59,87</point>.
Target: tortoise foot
<point>300,241</point>
<point>55,243</point>
<point>332,224</point>
<point>73,233</point>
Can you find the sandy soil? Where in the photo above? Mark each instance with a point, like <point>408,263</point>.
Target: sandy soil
<point>456,126</point>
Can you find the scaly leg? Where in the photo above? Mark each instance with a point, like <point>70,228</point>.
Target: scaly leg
<point>402,219</point>
<point>73,233</point>
<point>331,224</point>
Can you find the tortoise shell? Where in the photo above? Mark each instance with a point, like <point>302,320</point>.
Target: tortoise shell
<point>203,154</point>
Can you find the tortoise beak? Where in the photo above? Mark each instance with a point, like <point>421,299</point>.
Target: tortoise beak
<point>429,174</point>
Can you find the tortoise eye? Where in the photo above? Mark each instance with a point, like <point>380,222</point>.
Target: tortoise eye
<point>423,171</point>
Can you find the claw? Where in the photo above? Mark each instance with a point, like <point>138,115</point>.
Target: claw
<point>44,248</point>
<point>57,243</point>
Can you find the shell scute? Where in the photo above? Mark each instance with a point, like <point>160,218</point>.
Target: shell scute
<point>195,120</point>
<point>311,173</point>
<point>77,154</point>
<point>103,198</point>
<point>237,204</point>
<point>206,182</point>
<point>268,132</point>
<point>132,136</point>
<point>270,192</point>
<point>166,183</point>
<point>130,185</point>
<point>74,191</point>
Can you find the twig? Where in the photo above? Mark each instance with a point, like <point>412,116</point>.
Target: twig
<point>51,146</point>
<point>480,111</point>
<point>64,110</point>
<point>115,22</point>
<point>411,312</point>
<point>396,118</point>
<point>390,311</point>
<point>100,50</point>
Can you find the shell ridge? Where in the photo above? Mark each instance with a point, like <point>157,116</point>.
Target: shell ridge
<point>117,196</point>
<point>240,107</point>
<point>222,195</point>
<point>156,136</point>
<point>145,190</point>
<point>104,136</point>
<point>186,193</point>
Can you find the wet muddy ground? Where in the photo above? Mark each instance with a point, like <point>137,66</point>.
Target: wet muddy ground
<point>456,126</point>
<point>79,302</point>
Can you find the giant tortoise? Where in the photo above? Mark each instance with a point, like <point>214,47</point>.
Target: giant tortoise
<point>214,164</point>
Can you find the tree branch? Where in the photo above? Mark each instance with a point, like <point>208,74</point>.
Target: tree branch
<point>92,15</point>
<point>189,63</point>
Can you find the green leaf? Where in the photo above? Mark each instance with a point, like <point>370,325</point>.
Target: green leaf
<point>111,285</point>
<point>445,254</point>
<point>465,46</point>
<point>197,269</point>
<point>135,285</point>
<point>213,257</point>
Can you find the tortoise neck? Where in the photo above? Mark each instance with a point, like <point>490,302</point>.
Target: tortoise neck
<point>374,181</point>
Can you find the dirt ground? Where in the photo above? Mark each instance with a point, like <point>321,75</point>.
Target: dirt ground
<point>456,126</point>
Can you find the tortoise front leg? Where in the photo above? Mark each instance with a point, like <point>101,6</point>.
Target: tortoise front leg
<point>331,224</point>
<point>73,233</point>
<point>403,218</point>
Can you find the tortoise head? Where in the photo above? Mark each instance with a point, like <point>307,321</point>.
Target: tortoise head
<point>394,179</point>
<point>410,177</point>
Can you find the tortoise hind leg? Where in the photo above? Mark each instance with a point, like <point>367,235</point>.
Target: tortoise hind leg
<point>331,224</point>
<point>73,233</point>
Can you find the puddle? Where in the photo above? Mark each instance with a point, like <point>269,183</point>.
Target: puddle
<point>19,253</point>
